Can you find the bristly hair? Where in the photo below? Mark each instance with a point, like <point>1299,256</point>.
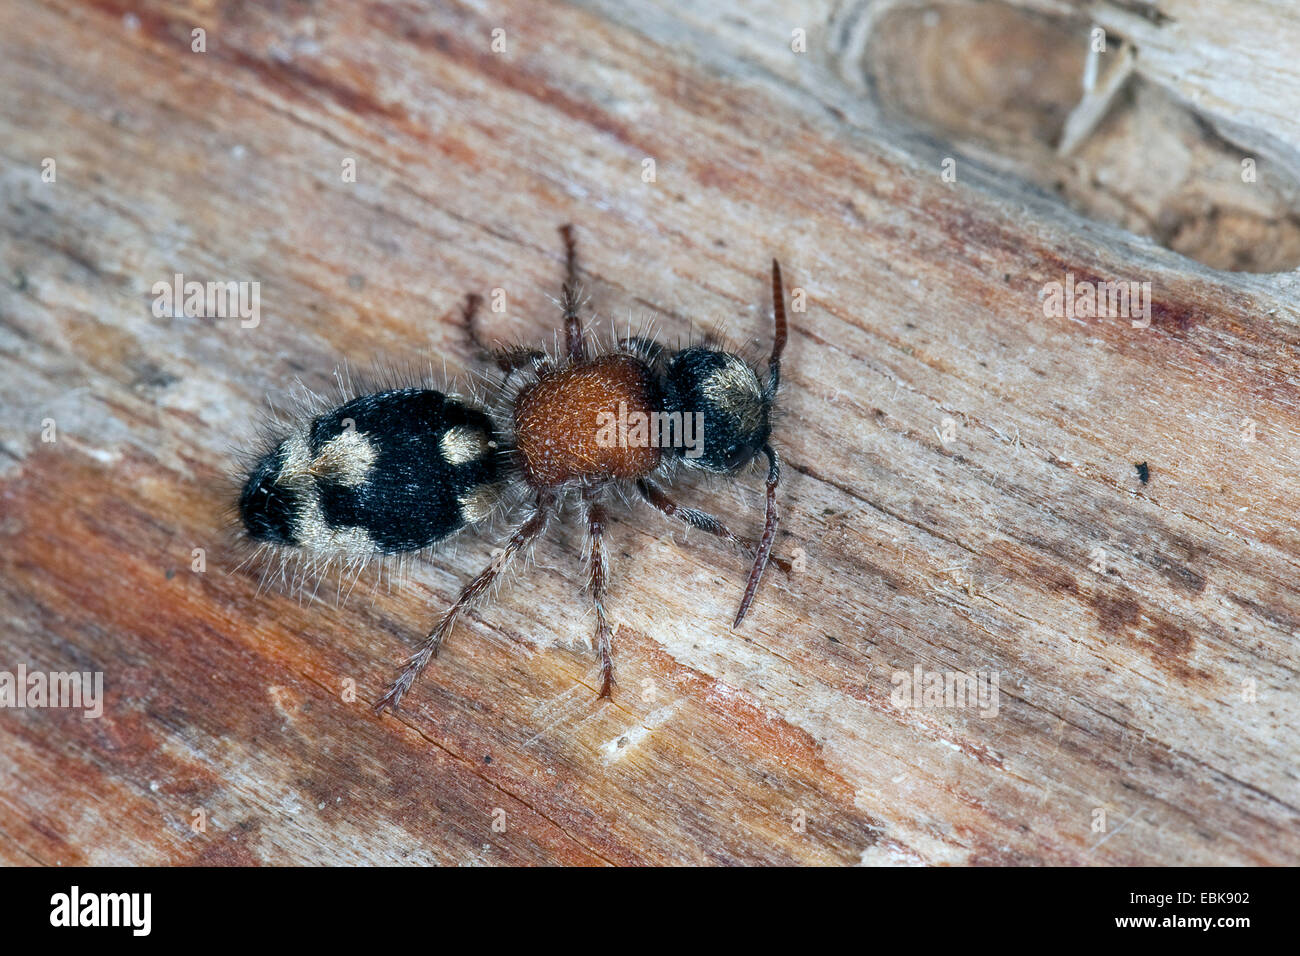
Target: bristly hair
<point>303,573</point>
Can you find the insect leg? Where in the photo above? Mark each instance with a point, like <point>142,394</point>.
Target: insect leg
<point>524,535</point>
<point>701,520</point>
<point>599,575</point>
<point>573,342</point>
<point>507,359</point>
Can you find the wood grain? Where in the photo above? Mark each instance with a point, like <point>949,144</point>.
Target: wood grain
<point>959,490</point>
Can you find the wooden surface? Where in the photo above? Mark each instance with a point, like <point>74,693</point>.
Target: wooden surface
<point>954,458</point>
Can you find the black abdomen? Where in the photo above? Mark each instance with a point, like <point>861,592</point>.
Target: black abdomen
<point>388,472</point>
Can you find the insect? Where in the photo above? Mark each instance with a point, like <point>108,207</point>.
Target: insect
<point>400,469</point>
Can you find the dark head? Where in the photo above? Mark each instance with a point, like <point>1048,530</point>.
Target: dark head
<point>728,406</point>
<point>735,410</point>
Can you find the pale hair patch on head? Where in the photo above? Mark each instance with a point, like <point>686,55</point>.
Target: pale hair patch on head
<point>477,504</point>
<point>734,388</point>
<point>461,444</point>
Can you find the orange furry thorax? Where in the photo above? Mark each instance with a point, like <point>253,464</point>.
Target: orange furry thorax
<point>556,422</point>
